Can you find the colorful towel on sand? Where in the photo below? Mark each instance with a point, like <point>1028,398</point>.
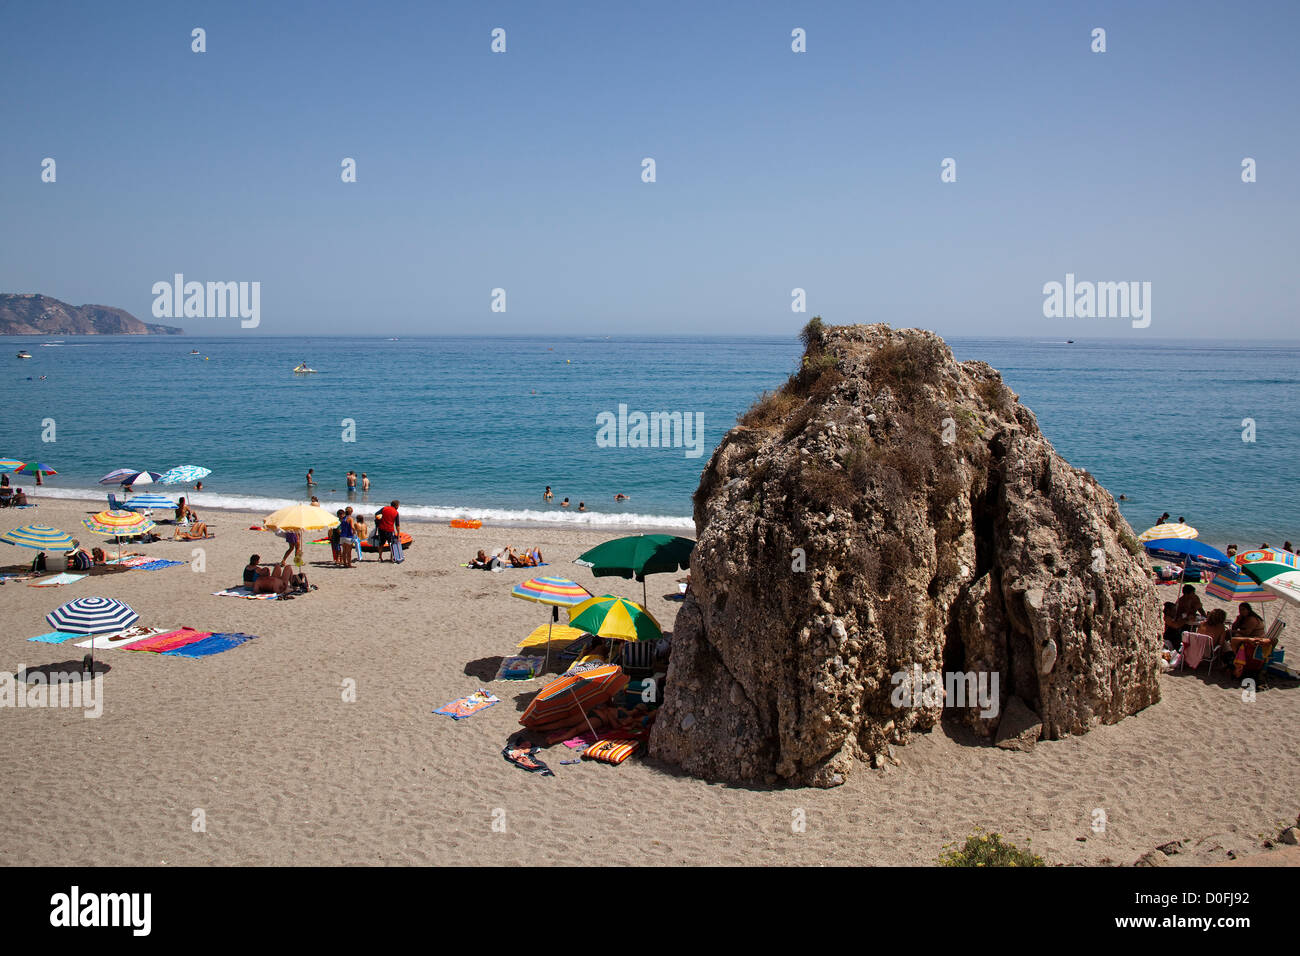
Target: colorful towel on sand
<point>54,637</point>
<point>582,740</point>
<point>157,565</point>
<point>611,750</point>
<point>56,580</point>
<point>130,560</point>
<point>525,758</point>
<point>172,639</point>
<point>123,638</point>
<point>243,592</point>
<point>521,667</point>
<point>213,644</point>
<point>468,706</point>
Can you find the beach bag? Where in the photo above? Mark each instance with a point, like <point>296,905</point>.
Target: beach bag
<point>397,548</point>
<point>38,562</point>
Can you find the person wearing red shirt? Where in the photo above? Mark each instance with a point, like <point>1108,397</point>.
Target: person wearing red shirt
<point>390,526</point>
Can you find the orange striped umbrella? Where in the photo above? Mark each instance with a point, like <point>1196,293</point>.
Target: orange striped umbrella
<point>568,699</point>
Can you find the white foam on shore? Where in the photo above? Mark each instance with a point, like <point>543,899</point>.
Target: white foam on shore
<point>433,513</point>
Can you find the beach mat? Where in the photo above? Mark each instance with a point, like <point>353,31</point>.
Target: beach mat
<point>54,637</point>
<point>157,565</point>
<point>243,592</point>
<point>172,639</point>
<point>520,667</point>
<point>121,638</point>
<point>213,644</point>
<point>56,580</point>
<point>611,750</point>
<point>468,706</point>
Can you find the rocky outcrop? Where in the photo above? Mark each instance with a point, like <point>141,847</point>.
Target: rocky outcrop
<point>35,314</point>
<point>880,540</point>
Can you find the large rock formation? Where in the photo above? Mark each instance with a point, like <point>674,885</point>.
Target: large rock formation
<point>892,512</point>
<point>36,314</point>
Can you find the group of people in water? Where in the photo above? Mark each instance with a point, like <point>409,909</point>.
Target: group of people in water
<point>549,495</point>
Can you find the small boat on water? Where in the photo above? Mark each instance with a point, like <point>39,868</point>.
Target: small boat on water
<point>23,353</point>
<point>194,351</point>
<point>302,369</point>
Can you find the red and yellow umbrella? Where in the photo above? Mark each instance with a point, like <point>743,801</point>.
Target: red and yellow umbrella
<point>566,700</point>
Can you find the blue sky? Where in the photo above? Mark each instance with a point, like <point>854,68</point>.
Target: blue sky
<point>775,170</point>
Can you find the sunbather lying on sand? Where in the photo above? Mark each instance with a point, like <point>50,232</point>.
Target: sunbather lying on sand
<point>529,559</point>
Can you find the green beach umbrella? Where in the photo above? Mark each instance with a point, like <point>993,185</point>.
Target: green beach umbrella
<point>638,555</point>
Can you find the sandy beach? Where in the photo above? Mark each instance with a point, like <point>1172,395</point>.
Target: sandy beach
<point>284,771</point>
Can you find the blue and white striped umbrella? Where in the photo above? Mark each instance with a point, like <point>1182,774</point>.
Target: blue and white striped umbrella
<point>140,502</point>
<point>92,615</point>
<point>184,474</point>
<point>39,537</point>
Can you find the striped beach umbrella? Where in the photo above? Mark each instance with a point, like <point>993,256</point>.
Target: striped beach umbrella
<point>92,615</point>
<point>1169,530</point>
<point>140,502</point>
<point>551,590</point>
<point>1265,563</point>
<point>558,592</point>
<point>1233,584</point>
<point>34,468</point>
<point>615,618</point>
<point>184,475</point>
<point>568,699</point>
<point>116,476</point>
<point>39,537</point>
<point>9,464</point>
<point>118,524</point>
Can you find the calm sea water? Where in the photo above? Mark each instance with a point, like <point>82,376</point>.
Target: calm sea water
<point>478,427</point>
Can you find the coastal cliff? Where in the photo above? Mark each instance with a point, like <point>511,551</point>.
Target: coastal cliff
<point>35,314</point>
<point>889,518</point>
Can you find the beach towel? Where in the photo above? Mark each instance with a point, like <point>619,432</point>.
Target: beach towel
<point>244,592</point>
<point>54,637</point>
<point>521,667</point>
<point>165,642</point>
<point>468,706</point>
<point>121,638</point>
<point>395,550</point>
<point>157,565</point>
<point>525,758</point>
<point>1196,648</point>
<point>582,740</point>
<point>611,750</point>
<point>54,581</point>
<point>213,644</point>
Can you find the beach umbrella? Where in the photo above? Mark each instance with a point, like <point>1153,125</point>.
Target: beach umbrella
<point>1192,553</point>
<point>557,592</point>
<point>9,464</point>
<point>140,502</point>
<point>1286,584</point>
<point>116,476</point>
<point>140,478</point>
<point>92,615</point>
<point>569,697</point>
<point>34,468</point>
<point>184,475</point>
<point>615,618</point>
<point>300,518</point>
<point>1169,530</point>
<point>637,555</point>
<point>1233,584</point>
<point>118,524</point>
<point>1264,563</point>
<point>39,537</point>
<point>544,635</point>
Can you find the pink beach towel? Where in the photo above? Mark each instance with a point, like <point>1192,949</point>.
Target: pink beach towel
<point>1196,648</point>
<point>165,642</point>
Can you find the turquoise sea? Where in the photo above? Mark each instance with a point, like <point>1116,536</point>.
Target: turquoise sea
<point>478,426</point>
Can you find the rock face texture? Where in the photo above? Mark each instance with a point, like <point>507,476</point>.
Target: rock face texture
<point>888,519</point>
<point>35,314</point>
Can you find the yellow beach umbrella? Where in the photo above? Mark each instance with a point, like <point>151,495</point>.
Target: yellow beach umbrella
<point>1171,530</point>
<point>300,518</point>
<point>615,618</point>
<point>561,635</point>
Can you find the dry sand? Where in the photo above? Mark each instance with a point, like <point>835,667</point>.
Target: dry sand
<point>285,771</point>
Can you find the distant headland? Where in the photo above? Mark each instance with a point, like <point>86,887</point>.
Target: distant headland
<point>36,314</point>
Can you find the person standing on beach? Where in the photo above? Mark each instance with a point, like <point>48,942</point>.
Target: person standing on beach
<point>390,526</point>
<point>310,480</point>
